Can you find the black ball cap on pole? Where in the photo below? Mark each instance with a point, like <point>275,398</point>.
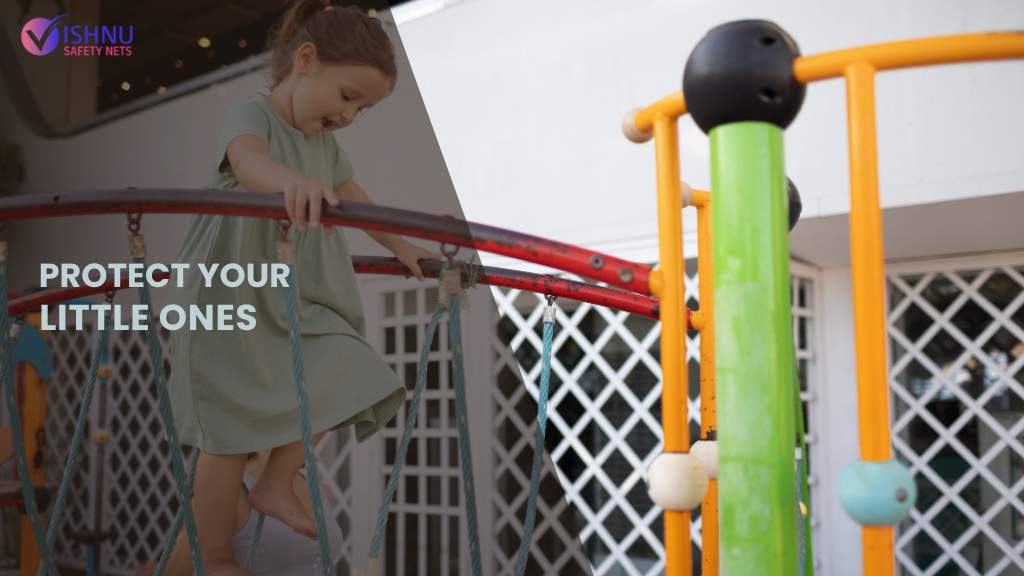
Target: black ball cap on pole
<point>742,71</point>
<point>795,205</point>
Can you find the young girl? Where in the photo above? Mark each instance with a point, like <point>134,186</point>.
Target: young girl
<point>232,390</point>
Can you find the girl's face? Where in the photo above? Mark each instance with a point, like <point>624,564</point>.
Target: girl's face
<point>330,96</point>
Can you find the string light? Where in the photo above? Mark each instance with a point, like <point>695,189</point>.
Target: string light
<point>126,86</point>
<point>178,63</point>
<point>161,89</point>
<point>204,42</point>
<point>242,43</point>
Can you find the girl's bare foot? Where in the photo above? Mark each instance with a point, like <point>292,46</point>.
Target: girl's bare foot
<point>282,503</point>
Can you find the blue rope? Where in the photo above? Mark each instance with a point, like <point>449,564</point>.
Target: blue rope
<point>250,560</point>
<point>172,536</point>
<point>410,424</point>
<point>299,379</point>
<point>90,561</point>
<point>177,466</point>
<point>465,453</point>
<point>21,460</point>
<point>71,464</point>
<point>538,446</point>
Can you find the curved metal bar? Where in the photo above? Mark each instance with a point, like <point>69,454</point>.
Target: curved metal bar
<point>493,276</point>
<point>912,53</point>
<point>573,259</point>
<point>885,56</point>
<point>672,106</point>
<point>539,283</point>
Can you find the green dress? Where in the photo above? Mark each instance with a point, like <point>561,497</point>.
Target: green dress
<point>232,391</point>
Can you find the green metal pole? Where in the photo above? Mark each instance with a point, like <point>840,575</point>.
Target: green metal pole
<point>754,342</point>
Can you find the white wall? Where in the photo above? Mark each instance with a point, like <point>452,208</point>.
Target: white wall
<point>526,97</point>
<point>838,541</point>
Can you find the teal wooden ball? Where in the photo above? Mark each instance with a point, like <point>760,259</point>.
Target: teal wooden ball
<point>877,493</point>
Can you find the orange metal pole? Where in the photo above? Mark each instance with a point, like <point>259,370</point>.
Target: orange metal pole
<point>33,410</point>
<point>907,53</point>
<point>867,265</point>
<point>673,330</point>
<point>708,412</point>
<point>672,106</point>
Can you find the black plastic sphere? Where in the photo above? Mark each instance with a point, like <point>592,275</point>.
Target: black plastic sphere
<point>795,205</point>
<point>743,71</point>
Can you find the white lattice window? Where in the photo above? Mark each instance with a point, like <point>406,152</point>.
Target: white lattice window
<point>603,432</point>
<point>956,333</point>
<point>334,460</point>
<point>139,501</point>
<point>425,528</point>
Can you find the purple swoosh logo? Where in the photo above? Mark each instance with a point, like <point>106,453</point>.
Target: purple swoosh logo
<point>38,36</point>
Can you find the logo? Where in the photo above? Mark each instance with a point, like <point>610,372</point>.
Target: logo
<point>41,36</point>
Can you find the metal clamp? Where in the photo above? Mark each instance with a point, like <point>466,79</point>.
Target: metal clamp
<point>449,250</point>
<point>284,245</point>
<point>134,223</point>
<point>549,310</point>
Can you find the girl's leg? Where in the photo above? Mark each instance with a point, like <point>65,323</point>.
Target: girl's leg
<point>274,494</point>
<point>218,486</point>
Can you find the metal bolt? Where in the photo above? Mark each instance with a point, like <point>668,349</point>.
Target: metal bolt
<point>597,261</point>
<point>625,274</point>
<point>901,495</point>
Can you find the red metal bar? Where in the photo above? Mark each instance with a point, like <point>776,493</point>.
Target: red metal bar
<point>588,263</point>
<point>543,284</point>
<point>540,283</point>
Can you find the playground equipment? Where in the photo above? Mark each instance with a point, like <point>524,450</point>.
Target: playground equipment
<point>747,357</point>
<point>446,230</point>
<point>743,84</point>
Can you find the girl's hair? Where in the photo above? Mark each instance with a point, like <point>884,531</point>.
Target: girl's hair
<point>341,34</point>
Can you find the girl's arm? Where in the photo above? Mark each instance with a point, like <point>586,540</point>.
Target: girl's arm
<point>255,170</point>
<point>249,156</point>
<point>406,252</point>
<point>354,192</point>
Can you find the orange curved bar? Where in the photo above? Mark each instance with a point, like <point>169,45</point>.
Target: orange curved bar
<point>886,56</point>
<point>908,53</point>
<point>671,106</point>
